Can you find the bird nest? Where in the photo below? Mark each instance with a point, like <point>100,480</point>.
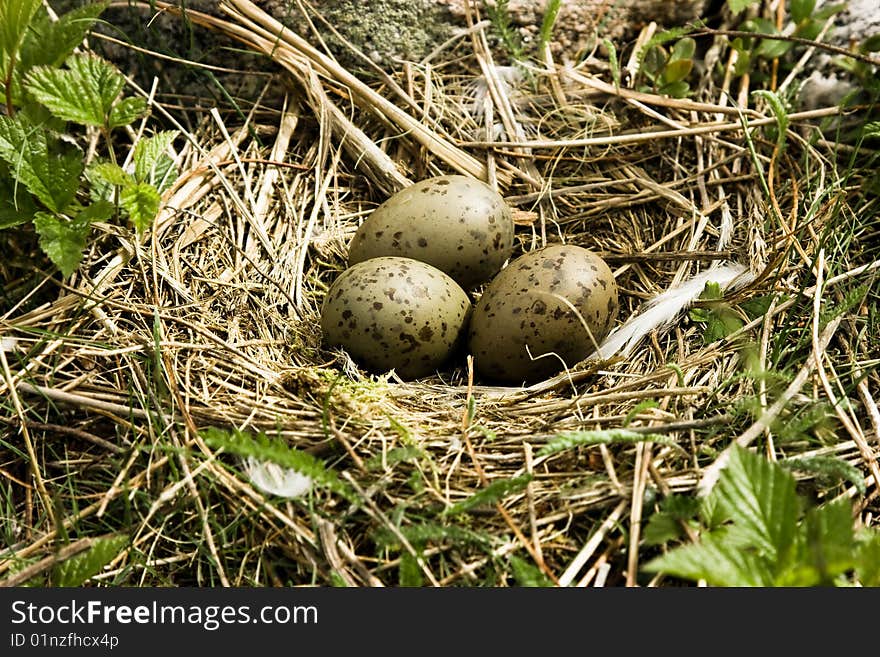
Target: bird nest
<point>211,320</point>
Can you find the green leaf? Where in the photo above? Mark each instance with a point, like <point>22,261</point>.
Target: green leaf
<point>828,468</point>
<point>141,201</point>
<point>127,110</point>
<point>773,48</point>
<point>661,528</point>
<point>80,567</point>
<point>715,560</point>
<point>110,173</point>
<point>409,572</point>
<point>653,62</point>
<point>759,496</point>
<point>263,448</point>
<point>551,12</point>
<point>49,43</point>
<point>826,546</point>
<point>571,439</point>
<point>664,525</point>
<point>683,49</point>
<point>16,204</point>
<point>613,62</point>
<point>53,179</point>
<point>779,112</point>
<point>494,492</point>
<point>395,456</point>
<point>62,240</point>
<point>638,408</point>
<point>15,16</point>
<point>151,163</point>
<point>84,92</point>
<point>801,9</point>
<point>736,6</point>
<point>429,532</point>
<point>871,44</point>
<point>678,89</point>
<point>868,560</point>
<point>756,306</point>
<point>676,70</point>
<point>528,574</point>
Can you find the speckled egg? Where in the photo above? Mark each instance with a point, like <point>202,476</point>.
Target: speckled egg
<point>458,224</point>
<point>558,300</point>
<point>395,313</point>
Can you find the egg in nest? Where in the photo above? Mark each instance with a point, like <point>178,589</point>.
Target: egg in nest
<point>547,310</point>
<point>395,313</point>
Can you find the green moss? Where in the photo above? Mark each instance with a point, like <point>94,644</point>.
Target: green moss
<point>389,29</point>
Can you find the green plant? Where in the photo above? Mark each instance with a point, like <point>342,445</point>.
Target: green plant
<point>667,70</point>
<point>806,22</point>
<point>755,530</point>
<point>54,99</point>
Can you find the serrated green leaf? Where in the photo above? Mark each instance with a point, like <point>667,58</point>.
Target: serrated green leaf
<point>15,16</point>
<point>126,111</point>
<point>779,113</point>
<point>16,204</point>
<point>53,179</point>
<point>110,173</point>
<point>712,512</point>
<point>682,507</point>
<point>62,240</point>
<point>759,496</point>
<point>264,448</point>
<point>571,439</point>
<point>871,130</point>
<point>429,532</point>
<point>713,560</point>
<point>141,202</point>
<point>80,567</point>
<point>528,574</point>
<point>494,492</point>
<point>826,546</point>
<point>85,92</point>
<point>49,43</point>
<point>151,163</point>
<point>829,467</point>
<point>660,529</point>
<point>736,6</point>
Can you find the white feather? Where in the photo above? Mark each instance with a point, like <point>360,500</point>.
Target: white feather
<point>271,478</point>
<point>664,308</point>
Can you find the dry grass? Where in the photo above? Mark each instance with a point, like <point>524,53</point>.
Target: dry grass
<point>211,319</point>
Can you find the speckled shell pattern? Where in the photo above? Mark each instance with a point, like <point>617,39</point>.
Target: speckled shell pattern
<point>458,224</point>
<point>541,301</point>
<point>393,312</point>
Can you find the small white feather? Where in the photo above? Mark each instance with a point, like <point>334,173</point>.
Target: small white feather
<point>664,308</point>
<point>8,344</point>
<point>271,478</point>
